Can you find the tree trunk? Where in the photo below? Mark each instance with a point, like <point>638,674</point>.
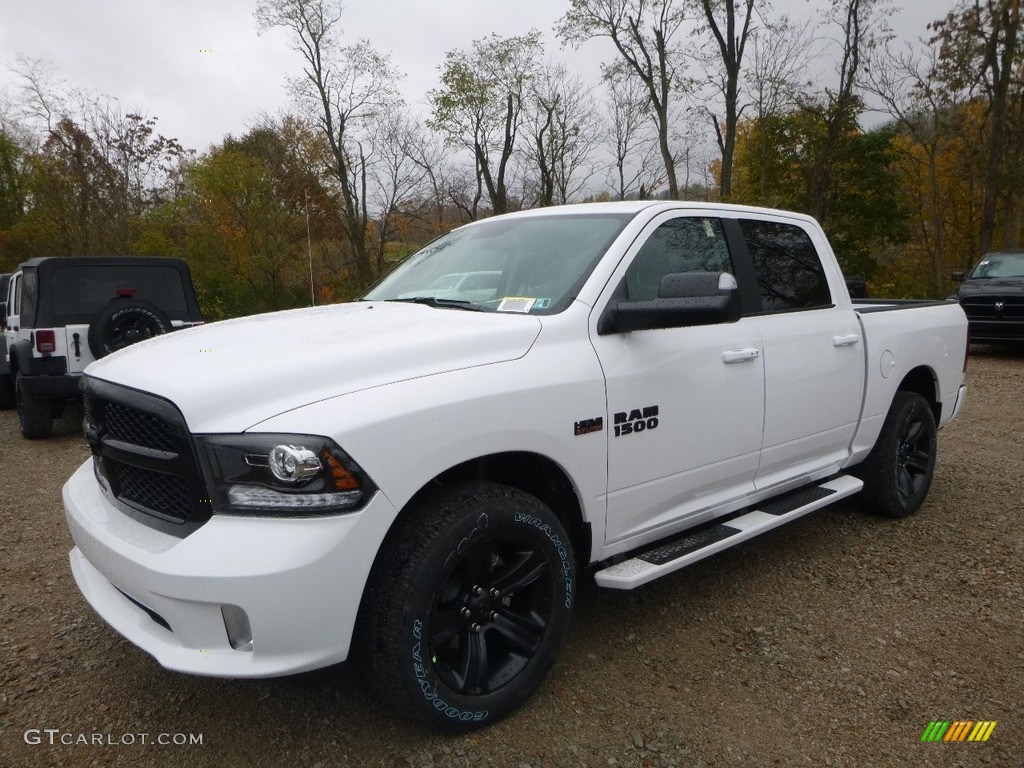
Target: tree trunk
<point>666,155</point>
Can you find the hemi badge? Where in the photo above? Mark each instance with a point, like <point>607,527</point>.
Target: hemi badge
<point>589,425</point>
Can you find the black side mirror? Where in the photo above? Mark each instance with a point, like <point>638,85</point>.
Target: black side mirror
<point>684,299</point>
<point>958,277</point>
<point>3,314</point>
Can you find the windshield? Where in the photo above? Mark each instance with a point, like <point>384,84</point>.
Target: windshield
<point>532,264</point>
<point>1000,265</point>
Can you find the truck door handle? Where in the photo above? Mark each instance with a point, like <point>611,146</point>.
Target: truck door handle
<point>740,356</point>
<point>845,341</point>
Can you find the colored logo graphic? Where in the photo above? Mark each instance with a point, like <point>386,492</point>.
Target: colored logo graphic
<point>958,730</point>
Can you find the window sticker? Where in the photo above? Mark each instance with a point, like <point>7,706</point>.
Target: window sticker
<point>708,229</point>
<point>541,303</point>
<point>516,304</point>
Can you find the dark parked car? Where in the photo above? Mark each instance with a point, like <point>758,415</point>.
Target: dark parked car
<point>992,296</point>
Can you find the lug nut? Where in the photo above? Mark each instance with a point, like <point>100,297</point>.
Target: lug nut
<point>476,628</point>
<point>478,591</point>
<point>495,593</point>
<point>494,615</point>
<point>466,613</point>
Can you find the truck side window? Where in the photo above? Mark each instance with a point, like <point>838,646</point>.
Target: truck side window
<point>787,266</point>
<point>694,244</point>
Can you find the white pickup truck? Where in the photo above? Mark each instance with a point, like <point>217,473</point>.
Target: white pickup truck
<point>422,480</point>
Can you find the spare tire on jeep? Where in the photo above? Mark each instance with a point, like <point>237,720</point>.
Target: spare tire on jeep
<point>125,321</point>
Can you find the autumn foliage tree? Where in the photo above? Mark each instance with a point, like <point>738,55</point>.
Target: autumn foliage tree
<point>314,206</point>
<point>480,106</point>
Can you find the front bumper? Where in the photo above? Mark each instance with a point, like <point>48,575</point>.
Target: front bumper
<point>996,331</point>
<point>298,581</point>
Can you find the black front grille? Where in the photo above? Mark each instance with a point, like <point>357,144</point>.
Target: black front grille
<point>138,427</point>
<point>993,307</point>
<point>158,491</point>
<point>143,448</point>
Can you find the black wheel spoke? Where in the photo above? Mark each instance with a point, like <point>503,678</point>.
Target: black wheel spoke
<point>523,631</point>
<point>444,626</point>
<point>525,571</point>
<point>474,669</point>
<point>906,483</point>
<point>915,431</point>
<point>918,462</point>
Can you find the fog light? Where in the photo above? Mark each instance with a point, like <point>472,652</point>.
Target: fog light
<point>236,622</point>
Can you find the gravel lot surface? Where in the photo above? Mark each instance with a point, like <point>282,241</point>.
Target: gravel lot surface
<point>830,642</point>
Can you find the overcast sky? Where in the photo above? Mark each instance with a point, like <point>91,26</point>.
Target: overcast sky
<point>201,69</point>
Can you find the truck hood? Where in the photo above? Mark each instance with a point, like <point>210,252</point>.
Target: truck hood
<point>231,375</point>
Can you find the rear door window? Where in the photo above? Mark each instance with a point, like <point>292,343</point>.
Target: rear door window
<point>787,266</point>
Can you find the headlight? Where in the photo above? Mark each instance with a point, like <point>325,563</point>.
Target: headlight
<point>281,475</point>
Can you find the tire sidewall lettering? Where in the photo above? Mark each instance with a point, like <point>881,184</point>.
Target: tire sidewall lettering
<point>482,522</point>
<point>560,547</point>
<point>428,686</point>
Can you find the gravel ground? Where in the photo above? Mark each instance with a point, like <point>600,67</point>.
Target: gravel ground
<point>830,642</point>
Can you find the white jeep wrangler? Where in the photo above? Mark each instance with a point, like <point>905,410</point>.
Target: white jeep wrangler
<point>60,314</point>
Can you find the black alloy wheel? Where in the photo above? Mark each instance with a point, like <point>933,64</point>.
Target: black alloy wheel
<point>467,605</point>
<point>490,614</point>
<point>915,457</point>
<point>898,472</point>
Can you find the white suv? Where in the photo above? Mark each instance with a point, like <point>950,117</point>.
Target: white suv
<point>60,314</point>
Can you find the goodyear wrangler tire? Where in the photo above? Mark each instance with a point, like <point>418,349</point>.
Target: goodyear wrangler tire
<point>124,322</point>
<point>467,606</point>
<point>898,472</point>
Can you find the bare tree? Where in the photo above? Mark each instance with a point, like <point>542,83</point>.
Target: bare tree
<point>346,88</point>
<point>425,148</point>
<point>636,169</point>
<point>731,36</point>
<point>400,174</point>
<point>643,32</point>
<point>563,129</point>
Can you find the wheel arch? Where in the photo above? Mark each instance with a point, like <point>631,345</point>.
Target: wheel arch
<point>527,471</point>
<point>924,382</point>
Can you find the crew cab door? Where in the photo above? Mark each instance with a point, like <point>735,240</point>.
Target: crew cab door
<point>685,405</point>
<point>813,352</point>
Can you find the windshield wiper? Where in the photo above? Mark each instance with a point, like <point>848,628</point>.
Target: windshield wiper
<point>433,301</point>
